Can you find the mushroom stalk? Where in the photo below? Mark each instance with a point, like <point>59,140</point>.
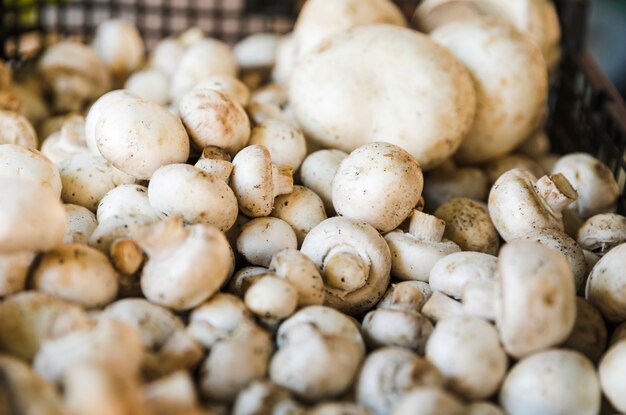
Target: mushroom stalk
<point>557,191</point>
<point>426,227</point>
<point>282,179</point>
<point>126,256</point>
<point>345,270</point>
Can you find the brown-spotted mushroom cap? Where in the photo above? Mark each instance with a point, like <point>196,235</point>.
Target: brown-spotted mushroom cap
<point>97,109</point>
<point>601,233</point>
<point>256,181</point>
<point>495,168</point>
<point>229,85</point>
<point>511,81</point>
<point>611,373</point>
<point>284,141</point>
<point>379,183</point>
<point>302,209</point>
<point>453,272</point>
<point>355,262</point>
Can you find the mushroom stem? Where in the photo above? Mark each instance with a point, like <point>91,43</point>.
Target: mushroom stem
<point>426,227</point>
<point>126,256</point>
<point>557,191</point>
<point>345,270</point>
<point>162,237</point>
<point>282,179</point>
<point>218,168</point>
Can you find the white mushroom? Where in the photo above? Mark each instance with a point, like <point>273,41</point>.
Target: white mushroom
<point>166,56</point>
<point>126,200</point>
<point>262,238</point>
<point>264,397</point>
<point>17,161</point>
<point>14,271</point>
<point>611,372</point>
<point>483,408</point>
<point>120,47</point>
<point>97,110</point>
<point>228,85</point>
<point>605,285</point>
<point>192,194</point>
<point>16,129</point>
<point>216,161</point>
<point>272,93</point>
<point>601,233</point>
<point>171,395</point>
<point>441,307</point>
<point>271,297</point>
<point>495,168</point>
<point>149,84</point>
<point>428,401</point>
<point>317,172</point>
<point>536,145</point>
<point>301,273</point>
<point>283,140</point>
<point>302,209</point>
<point>551,382</point>
<point>285,59</point>
<point>452,273</point>
<point>511,81</point>
<point>67,142</point>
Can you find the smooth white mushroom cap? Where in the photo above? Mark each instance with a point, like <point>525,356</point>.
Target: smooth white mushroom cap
<point>453,272</point>
<point>285,59</point>
<point>331,93</point>
<point>611,372</point>
<point>228,85</point>
<point>97,109</point>
<point>35,211</point>
<point>512,85</point>
<point>256,51</point>
<point>284,141</point>
<point>16,129</point>
<point>138,136</point>
<point>551,382</point>
<point>271,297</point>
<point>295,267</point>
<point>217,318</point>
<point>194,195</point>
<point>605,285</point>
<point>302,209</point>
<point>378,183</point>
<point>166,55</point>
<point>67,142</point>
<point>126,200</point>
<point>262,238</point>
<point>396,327</point>
<point>81,222</point>
<point>149,84</point>
<point>317,172</point>
<point>119,45</point>
<point>428,401</point>
<point>17,161</point>
<point>406,295</point>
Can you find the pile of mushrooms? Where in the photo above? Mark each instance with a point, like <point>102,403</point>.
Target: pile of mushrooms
<point>353,218</point>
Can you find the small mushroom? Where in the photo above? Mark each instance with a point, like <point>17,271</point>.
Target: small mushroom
<point>605,285</point>
<point>272,93</point>
<point>259,112</point>
<point>302,209</point>
<point>149,84</point>
<point>378,183</point>
<point>592,179</point>
<point>193,195</point>
<point>67,142</point>
<point>501,165</point>
<point>13,272</point>
<point>611,373</point>
<point>448,181</point>
<point>296,268</point>
<point>468,225</point>
<point>271,297</point>
<point>186,265</point>
<point>17,161</point>
<point>228,85</point>
<point>428,401</point>
<point>414,254</point>
<point>256,181</point>
<point>589,335</point>
<point>78,273</point>
<point>213,118</point>
<point>468,353</point>
<point>216,161</point>
<point>536,279</point>
<point>355,262</point>
<point>172,395</point>
<point>120,47</point>
<point>262,238</point>
<point>32,209</point>
<point>16,129</point>
<point>452,273</point>
<point>519,204</point>
<point>257,51</point>
<point>406,295</point>
<point>284,141</point>
<point>97,110</point>
<point>441,307</point>
<point>265,397</point>
<point>317,172</point>
<point>601,233</point>
<point>551,382</point>
<point>166,56</point>
<point>390,373</point>
<point>126,200</point>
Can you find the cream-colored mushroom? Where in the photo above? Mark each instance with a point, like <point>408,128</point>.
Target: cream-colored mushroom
<point>413,254</point>
<point>120,47</point>
<point>589,335</point>
<point>605,285</point>
<point>171,395</point>
<point>497,167</point>
<point>149,84</point>
<point>32,209</point>
<point>74,74</point>
<point>138,136</point>
<point>216,161</point>
<point>193,195</point>
<point>390,373</point>
<point>302,209</point>
<point>244,278</point>
<point>284,141</point>
<point>302,273</point>
<point>378,183</point>
<point>441,307</point>
<point>186,265</point>
<point>519,204</point>
<point>331,93</point>
<point>601,233</point>
<point>611,372</point>
<point>16,129</point>
<point>166,56</point>
<point>271,297</point>
<point>67,142</point>
<point>448,181</point>
<point>263,396</point>
<point>285,59</point>
<point>480,298</point>
<point>256,181</point>
<point>317,172</point>
<point>259,112</point>
<point>320,351</point>
<point>511,81</point>
<point>355,262</point>
<point>272,93</point>
<point>468,225</point>
<point>262,238</point>
<point>228,85</point>
<point>126,200</point>
<point>536,279</point>
<point>17,161</point>
<point>213,118</point>
<point>98,109</point>
<point>257,51</point>
<point>468,353</point>
<point>452,273</point>
<point>592,179</point>
<point>428,401</point>
<point>14,271</point>
<point>551,382</point>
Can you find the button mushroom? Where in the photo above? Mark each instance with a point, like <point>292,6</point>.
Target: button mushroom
<point>452,273</point>
<point>262,238</point>
<point>17,161</point>
<point>317,172</point>
<point>302,209</point>
<point>428,401</point>
<point>601,233</point>
<point>149,84</point>
<point>301,273</point>
<point>265,397</point>
<point>229,85</point>
<point>13,272</point>
<point>16,129</point>
<point>611,373</point>
<point>606,288</point>
<point>120,47</point>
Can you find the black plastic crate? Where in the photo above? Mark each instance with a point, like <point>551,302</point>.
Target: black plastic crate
<point>587,113</point>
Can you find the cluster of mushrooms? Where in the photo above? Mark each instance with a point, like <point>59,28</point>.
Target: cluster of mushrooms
<point>354,218</point>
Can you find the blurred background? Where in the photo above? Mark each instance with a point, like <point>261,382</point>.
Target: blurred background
<point>607,39</point>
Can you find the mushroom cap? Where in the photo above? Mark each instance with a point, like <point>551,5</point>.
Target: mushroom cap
<point>272,93</point>
<point>138,136</point>
<point>302,209</point>
<point>35,211</point>
<point>261,396</point>
<point>403,328</point>
<point>262,238</point>
<point>602,232</point>
<point>406,295</point>
<point>213,118</point>
<point>217,318</point>
<point>14,270</point>
<point>97,109</point>
<point>166,55</point>
<point>605,285</point>
<point>592,179</point>
<point>370,247</point>
<point>589,335</point>
<point>511,80</point>
<point>516,208</point>
<point>126,200</point>
<point>317,172</point>
<point>468,353</point>
<point>16,129</point>
<point>428,401</point>
<point>284,141</point>
<point>388,374</point>
<point>199,197</point>
<point>17,161</point>
<point>302,274</point>
<point>468,225</point>
<point>228,85</point>
<point>536,279</point>
<point>203,58</point>
<point>453,272</point>
<point>271,297</point>
<point>611,373</point>
<point>378,183</point>
<point>332,92</point>
<point>119,45</point>
<point>447,182</point>
<point>285,59</point>
<point>551,382</point>
<point>149,84</point>
<point>320,20</point>
<point>78,273</point>
<point>256,51</point>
